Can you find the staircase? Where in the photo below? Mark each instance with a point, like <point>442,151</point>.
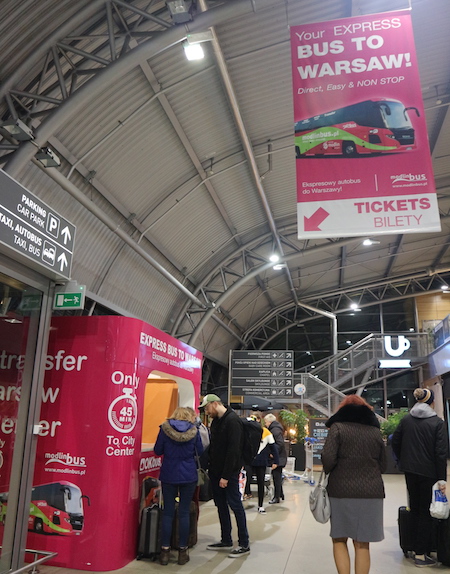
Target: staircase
<point>330,380</point>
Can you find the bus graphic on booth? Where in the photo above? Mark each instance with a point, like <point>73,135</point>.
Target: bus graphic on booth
<point>370,127</point>
<point>57,508</point>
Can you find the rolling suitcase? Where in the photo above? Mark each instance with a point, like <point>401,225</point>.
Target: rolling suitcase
<point>192,540</point>
<point>149,532</point>
<point>443,541</point>
<point>405,530</point>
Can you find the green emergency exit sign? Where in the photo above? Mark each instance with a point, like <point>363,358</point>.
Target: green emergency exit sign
<point>69,300</point>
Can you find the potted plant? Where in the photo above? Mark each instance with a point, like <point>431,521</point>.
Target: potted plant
<point>387,428</point>
<point>296,424</point>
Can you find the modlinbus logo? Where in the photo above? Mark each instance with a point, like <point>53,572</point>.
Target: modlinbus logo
<point>65,459</point>
<point>408,177</point>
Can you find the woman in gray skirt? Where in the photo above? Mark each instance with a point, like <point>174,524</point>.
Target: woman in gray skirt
<point>354,457</point>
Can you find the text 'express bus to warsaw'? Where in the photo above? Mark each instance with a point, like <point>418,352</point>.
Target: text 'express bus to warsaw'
<point>370,127</point>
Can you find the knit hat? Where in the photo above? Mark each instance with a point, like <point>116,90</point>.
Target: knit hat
<point>424,396</point>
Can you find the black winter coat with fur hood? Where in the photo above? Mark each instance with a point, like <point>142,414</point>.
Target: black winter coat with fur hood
<point>354,454</point>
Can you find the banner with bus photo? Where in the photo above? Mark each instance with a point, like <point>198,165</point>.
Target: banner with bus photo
<point>361,144</point>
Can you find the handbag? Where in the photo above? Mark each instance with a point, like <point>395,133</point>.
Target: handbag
<point>319,502</point>
<point>439,507</point>
<point>202,475</point>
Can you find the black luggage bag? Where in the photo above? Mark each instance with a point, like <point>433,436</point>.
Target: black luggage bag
<point>149,532</point>
<point>438,535</point>
<point>405,530</point>
<point>205,490</point>
<point>443,541</point>
<point>192,540</point>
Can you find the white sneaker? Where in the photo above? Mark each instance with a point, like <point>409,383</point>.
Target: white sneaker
<point>261,510</point>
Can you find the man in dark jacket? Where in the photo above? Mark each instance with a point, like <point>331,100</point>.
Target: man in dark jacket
<point>278,434</point>
<point>420,445</point>
<point>225,463</point>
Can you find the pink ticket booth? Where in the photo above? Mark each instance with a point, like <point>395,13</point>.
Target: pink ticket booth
<point>110,382</point>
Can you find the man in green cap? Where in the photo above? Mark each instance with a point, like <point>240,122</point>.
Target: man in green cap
<point>225,463</point>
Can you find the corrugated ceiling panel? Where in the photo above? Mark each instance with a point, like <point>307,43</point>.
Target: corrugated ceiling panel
<point>146,148</point>
<point>23,31</point>
<point>270,26</point>
<point>205,117</point>
<point>193,230</point>
<point>106,112</point>
<point>147,295</point>
<point>441,153</point>
<point>238,194</point>
<point>280,186</point>
<point>265,98</point>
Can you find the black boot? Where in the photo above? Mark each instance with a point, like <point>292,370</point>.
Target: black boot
<point>183,556</point>
<point>164,556</point>
<point>274,500</point>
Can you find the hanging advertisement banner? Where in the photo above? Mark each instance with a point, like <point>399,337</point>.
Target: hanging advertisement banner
<point>362,155</point>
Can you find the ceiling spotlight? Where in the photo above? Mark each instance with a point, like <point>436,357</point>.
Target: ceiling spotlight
<point>444,287</point>
<point>180,10</point>
<point>48,158</point>
<point>192,46</point>
<point>370,242</point>
<point>274,258</point>
<point>354,306</point>
<point>17,129</point>
<point>193,51</point>
<point>279,266</point>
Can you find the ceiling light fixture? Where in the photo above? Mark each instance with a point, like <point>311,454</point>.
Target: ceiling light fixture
<point>16,129</point>
<point>193,51</point>
<point>354,306</point>
<point>48,158</point>
<point>274,258</point>
<point>180,10</point>
<point>444,287</point>
<point>369,242</point>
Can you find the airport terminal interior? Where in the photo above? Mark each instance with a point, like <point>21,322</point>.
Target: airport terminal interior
<point>267,220</point>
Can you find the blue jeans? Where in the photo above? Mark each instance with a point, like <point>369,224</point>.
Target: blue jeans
<point>170,491</point>
<point>224,499</point>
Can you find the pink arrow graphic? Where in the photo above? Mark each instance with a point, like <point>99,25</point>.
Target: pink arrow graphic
<point>312,223</point>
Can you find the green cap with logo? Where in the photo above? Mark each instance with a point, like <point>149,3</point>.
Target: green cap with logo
<point>209,399</point>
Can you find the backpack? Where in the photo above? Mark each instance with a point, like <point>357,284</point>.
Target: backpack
<point>252,440</point>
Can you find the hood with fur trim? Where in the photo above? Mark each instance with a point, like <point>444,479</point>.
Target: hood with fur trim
<point>354,414</point>
<point>179,431</point>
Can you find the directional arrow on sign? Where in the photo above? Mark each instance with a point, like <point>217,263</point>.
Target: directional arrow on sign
<point>312,223</point>
<point>62,260</point>
<point>67,235</point>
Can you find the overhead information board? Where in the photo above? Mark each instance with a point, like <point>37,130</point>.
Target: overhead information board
<point>35,232</point>
<point>262,373</point>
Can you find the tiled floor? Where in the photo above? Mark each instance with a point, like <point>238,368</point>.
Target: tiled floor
<point>285,540</point>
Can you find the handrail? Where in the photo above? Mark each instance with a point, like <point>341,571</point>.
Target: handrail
<point>32,565</point>
<point>332,358</point>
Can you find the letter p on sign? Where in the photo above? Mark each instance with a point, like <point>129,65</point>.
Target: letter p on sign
<point>53,225</point>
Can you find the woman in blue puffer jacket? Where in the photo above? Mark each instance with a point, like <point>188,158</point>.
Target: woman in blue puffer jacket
<point>179,441</point>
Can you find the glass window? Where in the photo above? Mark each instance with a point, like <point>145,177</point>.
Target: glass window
<point>398,316</point>
<point>20,307</point>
